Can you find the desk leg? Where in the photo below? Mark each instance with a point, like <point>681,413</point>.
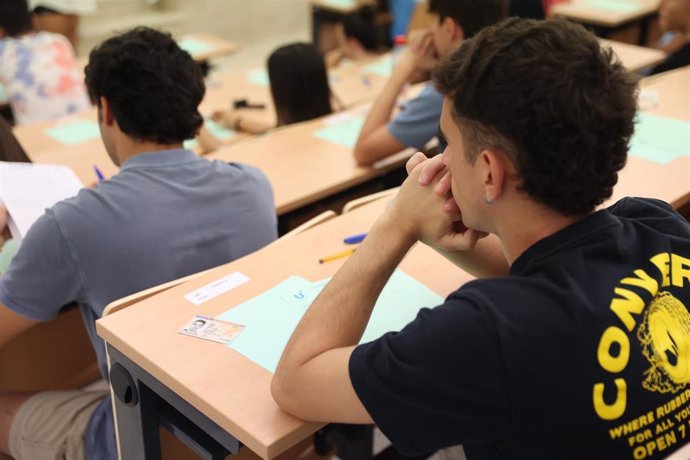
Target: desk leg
<point>143,404</point>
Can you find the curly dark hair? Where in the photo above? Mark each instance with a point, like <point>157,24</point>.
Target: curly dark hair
<point>15,18</point>
<point>547,95</point>
<point>471,15</point>
<point>153,86</point>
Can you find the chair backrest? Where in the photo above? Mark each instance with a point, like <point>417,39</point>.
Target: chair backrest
<point>131,299</point>
<point>10,150</point>
<point>356,203</point>
<point>314,221</point>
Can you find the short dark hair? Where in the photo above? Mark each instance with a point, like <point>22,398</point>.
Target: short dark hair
<point>15,17</point>
<point>299,83</point>
<point>545,93</point>
<point>361,27</point>
<point>153,86</point>
<point>471,15</point>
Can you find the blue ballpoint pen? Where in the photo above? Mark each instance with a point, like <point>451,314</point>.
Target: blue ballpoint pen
<point>99,174</point>
<point>354,239</point>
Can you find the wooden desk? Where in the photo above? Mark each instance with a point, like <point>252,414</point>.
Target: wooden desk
<point>303,168</point>
<point>203,46</point>
<point>671,181</point>
<point>80,160</point>
<point>633,57</point>
<point>354,83</point>
<point>34,137</point>
<point>251,84</point>
<point>200,46</point>
<point>610,14</point>
<point>226,394</point>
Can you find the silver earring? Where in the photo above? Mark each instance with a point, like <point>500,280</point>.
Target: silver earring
<point>489,202</point>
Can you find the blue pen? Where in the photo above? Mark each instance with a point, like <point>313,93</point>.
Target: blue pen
<point>354,239</point>
<point>366,81</point>
<point>99,173</point>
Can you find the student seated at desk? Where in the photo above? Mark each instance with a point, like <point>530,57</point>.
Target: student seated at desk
<point>417,124</point>
<point>38,69</point>
<point>299,88</point>
<point>674,17</point>
<point>167,214</point>
<point>358,39</point>
<point>576,331</point>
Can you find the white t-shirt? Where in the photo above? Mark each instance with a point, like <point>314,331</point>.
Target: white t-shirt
<point>66,6</point>
<point>41,77</point>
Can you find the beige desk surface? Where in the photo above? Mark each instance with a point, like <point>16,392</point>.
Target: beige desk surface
<point>597,13</point>
<point>634,57</point>
<point>221,383</point>
<point>669,182</point>
<point>341,6</point>
<point>354,83</point>
<point>218,46</point>
<point>223,88</point>
<point>34,137</point>
<point>303,168</point>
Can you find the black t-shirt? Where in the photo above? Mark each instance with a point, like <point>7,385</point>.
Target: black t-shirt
<point>680,58</point>
<point>577,354</point>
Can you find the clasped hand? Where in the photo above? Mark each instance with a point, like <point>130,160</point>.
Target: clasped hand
<point>426,210</point>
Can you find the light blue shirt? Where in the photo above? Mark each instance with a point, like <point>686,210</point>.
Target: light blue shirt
<point>419,121</point>
<point>164,216</point>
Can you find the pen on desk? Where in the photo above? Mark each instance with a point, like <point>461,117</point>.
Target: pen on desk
<point>337,255</point>
<point>366,81</point>
<point>354,239</point>
<point>99,173</point>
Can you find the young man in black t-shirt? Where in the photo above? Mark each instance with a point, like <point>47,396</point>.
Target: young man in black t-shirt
<point>575,342</point>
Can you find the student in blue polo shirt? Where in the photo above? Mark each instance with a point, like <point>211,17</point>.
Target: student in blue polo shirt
<point>168,213</point>
<point>453,22</point>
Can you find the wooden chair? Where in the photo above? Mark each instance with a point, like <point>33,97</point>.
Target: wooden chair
<point>131,299</point>
<point>10,150</point>
<point>32,362</point>
<point>354,204</point>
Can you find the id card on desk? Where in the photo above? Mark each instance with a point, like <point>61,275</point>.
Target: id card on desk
<point>215,330</point>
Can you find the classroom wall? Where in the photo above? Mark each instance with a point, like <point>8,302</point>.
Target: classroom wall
<point>243,21</point>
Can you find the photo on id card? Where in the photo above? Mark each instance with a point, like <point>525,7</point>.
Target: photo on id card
<point>206,327</point>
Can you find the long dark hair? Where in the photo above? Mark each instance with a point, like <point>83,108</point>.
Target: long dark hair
<point>299,84</point>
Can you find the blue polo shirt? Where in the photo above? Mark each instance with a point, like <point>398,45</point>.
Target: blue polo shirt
<point>164,216</point>
<point>419,121</point>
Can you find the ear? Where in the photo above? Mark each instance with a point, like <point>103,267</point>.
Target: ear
<point>496,171</point>
<point>106,111</point>
<point>453,30</point>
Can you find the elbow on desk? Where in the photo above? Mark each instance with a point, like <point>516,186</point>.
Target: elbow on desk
<point>288,399</point>
<point>363,155</point>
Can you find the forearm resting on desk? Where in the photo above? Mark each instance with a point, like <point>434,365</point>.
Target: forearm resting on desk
<point>312,379</point>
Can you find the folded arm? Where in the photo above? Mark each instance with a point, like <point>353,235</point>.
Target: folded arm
<point>312,380</point>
